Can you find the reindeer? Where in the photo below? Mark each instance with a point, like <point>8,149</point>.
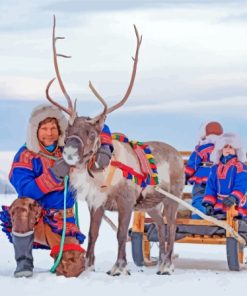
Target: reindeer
<point>81,144</point>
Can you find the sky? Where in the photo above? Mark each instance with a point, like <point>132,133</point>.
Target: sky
<point>192,64</point>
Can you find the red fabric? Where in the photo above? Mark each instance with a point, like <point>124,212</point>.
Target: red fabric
<point>189,171</point>
<point>209,198</point>
<point>46,182</point>
<point>67,247</point>
<point>145,166</point>
<point>105,138</point>
<point>203,153</point>
<point>222,169</point>
<point>126,169</point>
<point>199,180</point>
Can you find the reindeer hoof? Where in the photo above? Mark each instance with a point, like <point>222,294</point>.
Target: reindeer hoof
<point>118,272</point>
<point>163,273</point>
<point>90,268</point>
<point>113,274</point>
<point>166,269</point>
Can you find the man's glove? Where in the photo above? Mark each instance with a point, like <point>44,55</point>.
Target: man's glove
<point>229,201</point>
<point>209,209</point>
<point>103,157</point>
<point>60,169</point>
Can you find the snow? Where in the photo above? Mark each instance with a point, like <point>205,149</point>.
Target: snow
<point>199,269</point>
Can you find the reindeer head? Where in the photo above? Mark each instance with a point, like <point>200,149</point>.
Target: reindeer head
<point>83,133</point>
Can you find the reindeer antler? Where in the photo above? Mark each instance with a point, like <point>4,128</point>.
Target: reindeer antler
<point>132,80</point>
<point>71,110</point>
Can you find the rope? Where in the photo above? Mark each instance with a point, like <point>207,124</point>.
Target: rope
<point>77,215</point>
<point>48,156</point>
<point>53,269</point>
<point>220,223</point>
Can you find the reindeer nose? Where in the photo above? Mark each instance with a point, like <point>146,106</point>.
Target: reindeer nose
<point>73,150</point>
<point>75,143</point>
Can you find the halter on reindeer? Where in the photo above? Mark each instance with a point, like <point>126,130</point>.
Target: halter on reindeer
<point>108,189</point>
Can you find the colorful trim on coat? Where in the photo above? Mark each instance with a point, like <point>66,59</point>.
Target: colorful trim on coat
<point>56,224</point>
<point>141,179</point>
<point>49,217</point>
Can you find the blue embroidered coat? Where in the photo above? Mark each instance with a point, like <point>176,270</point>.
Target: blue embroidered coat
<point>198,165</point>
<point>31,177</point>
<point>227,178</point>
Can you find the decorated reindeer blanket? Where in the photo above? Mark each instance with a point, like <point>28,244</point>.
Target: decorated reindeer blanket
<point>149,174</point>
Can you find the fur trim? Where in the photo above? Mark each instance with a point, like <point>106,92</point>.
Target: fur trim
<point>231,139</point>
<point>39,114</point>
<point>209,139</point>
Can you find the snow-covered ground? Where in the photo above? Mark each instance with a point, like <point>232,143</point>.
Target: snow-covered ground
<point>199,269</point>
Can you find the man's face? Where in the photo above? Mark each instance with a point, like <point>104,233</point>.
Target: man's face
<point>48,133</point>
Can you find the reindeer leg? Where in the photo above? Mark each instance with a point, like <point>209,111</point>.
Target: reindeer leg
<point>95,221</point>
<point>171,214</point>
<point>164,268</point>
<point>123,223</point>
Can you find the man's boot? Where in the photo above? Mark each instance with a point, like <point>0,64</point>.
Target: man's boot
<point>23,245</point>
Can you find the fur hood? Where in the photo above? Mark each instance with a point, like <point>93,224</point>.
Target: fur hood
<point>231,139</point>
<point>39,114</point>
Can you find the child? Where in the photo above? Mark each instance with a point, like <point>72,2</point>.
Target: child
<point>199,164</point>
<point>227,182</point>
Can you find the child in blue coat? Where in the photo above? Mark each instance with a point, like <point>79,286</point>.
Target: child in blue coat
<point>227,182</point>
<point>199,164</point>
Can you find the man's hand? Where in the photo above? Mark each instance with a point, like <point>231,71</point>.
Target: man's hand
<point>103,157</point>
<point>229,201</point>
<point>60,169</point>
<point>209,209</point>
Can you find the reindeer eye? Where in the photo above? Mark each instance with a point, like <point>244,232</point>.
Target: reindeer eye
<point>92,135</point>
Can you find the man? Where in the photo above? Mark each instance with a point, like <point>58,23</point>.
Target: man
<point>37,214</point>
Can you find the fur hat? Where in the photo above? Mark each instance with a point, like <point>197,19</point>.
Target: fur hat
<point>228,139</point>
<point>39,114</point>
<point>209,132</point>
<point>211,128</point>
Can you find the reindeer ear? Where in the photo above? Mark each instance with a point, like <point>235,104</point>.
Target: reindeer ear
<point>98,122</point>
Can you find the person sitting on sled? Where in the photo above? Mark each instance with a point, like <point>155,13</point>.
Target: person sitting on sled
<point>199,164</point>
<point>227,182</point>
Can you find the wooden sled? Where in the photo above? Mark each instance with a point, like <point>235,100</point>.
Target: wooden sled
<point>143,233</point>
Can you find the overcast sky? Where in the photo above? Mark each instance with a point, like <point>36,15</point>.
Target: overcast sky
<point>193,59</point>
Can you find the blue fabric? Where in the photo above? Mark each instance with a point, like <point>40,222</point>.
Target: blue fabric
<point>225,159</point>
<point>195,171</point>
<point>227,179</point>
<point>197,197</point>
<point>106,129</point>
<point>106,139</point>
<point>24,178</point>
<point>51,148</point>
